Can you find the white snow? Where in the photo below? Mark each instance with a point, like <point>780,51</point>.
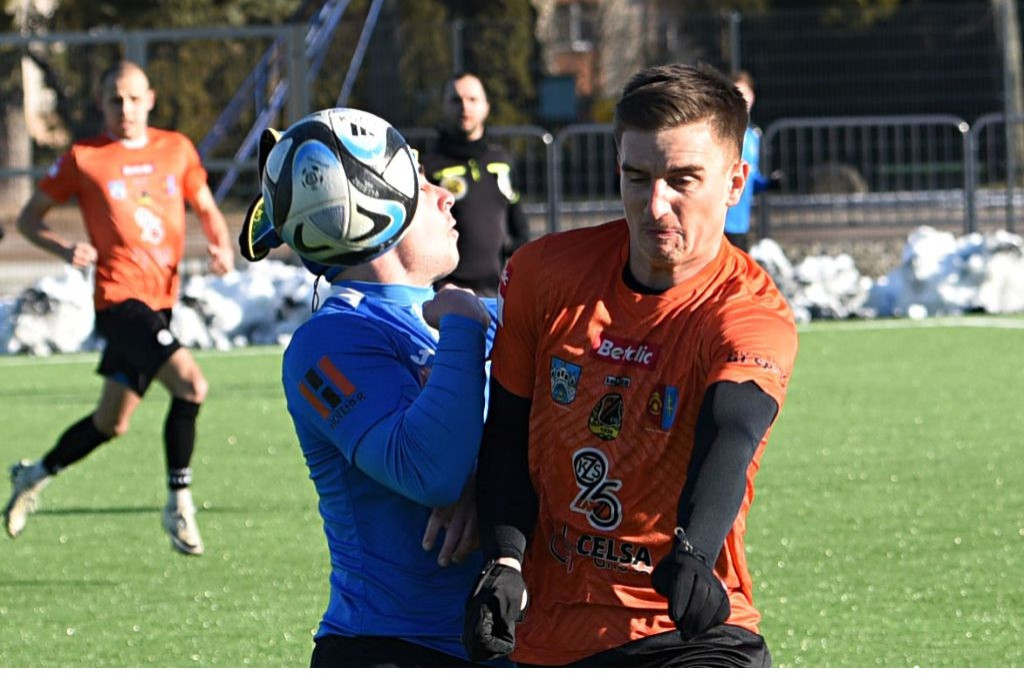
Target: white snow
<point>940,274</point>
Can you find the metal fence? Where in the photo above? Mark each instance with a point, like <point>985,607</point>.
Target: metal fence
<point>883,173</point>
<point>871,173</point>
<point>853,172</point>
<point>997,169</point>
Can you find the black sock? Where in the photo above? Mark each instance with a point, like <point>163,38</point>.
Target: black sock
<point>75,443</point>
<point>179,441</point>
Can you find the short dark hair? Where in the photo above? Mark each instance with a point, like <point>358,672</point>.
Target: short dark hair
<point>459,75</point>
<point>670,95</point>
<point>116,70</point>
<point>742,76</point>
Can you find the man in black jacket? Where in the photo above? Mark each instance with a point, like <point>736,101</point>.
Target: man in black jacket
<point>478,172</point>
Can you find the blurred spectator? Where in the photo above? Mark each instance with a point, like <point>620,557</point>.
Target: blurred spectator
<point>737,220</point>
<point>478,172</point>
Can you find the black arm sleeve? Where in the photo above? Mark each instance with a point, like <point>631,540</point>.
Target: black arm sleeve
<point>732,421</point>
<point>506,500</point>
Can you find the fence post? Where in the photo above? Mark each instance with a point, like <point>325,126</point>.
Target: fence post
<point>1013,94</point>
<point>970,179</point>
<point>735,63</point>
<point>554,161</point>
<point>134,45</point>
<point>298,93</point>
<point>458,30</point>
<point>763,227</point>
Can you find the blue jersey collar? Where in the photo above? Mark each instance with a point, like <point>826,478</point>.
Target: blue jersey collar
<point>401,294</point>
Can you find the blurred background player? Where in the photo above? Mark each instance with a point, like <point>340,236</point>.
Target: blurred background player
<point>478,172</point>
<point>385,385</point>
<point>737,220</point>
<point>131,183</point>
<point>637,370</point>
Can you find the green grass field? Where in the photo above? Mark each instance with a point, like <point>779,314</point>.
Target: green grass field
<point>888,529</point>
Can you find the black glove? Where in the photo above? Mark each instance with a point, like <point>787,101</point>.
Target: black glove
<point>697,600</point>
<point>492,611</point>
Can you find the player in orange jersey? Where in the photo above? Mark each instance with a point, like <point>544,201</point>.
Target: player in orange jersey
<point>131,183</point>
<point>637,370</point>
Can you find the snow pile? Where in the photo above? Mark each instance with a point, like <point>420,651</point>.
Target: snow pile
<point>54,315</point>
<point>261,305</point>
<point>820,287</point>
<point>940,274</point>
<point>943,275</point>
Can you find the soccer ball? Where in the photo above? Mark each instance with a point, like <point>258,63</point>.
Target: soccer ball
<point>340,186</point>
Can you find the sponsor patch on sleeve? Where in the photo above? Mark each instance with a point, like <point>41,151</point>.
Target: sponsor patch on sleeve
<point>762,362</point>
<point>329,392</point>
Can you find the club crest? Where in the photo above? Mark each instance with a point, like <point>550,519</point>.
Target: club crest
<point>564,378</point>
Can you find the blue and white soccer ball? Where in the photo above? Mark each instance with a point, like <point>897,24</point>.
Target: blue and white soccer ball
<point>340,186</point>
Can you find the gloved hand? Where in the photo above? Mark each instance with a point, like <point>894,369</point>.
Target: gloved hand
<point>492,611</point>
<point>696,597</point>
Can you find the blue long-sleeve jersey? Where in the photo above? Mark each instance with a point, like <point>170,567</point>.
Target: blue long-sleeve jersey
<point>737,219</point>
<point>389,416</point>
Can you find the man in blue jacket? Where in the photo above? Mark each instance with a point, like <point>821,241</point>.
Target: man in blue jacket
<point>737,220</point>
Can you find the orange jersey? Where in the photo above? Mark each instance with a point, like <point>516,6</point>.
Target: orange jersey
<point>133,203</point>
<point>616,381</point>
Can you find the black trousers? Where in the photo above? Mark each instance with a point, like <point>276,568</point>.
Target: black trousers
<point>723,646</point>
<point>335,651</point>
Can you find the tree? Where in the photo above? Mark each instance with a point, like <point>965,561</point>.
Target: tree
<point>500,48</point>
<point>15,148</point>
<point>498,45</point>
<point>412,46</point>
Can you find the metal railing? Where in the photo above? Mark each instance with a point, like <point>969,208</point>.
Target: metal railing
<point>996,165</point>
<point>870,172</point>
<point>859,172</point>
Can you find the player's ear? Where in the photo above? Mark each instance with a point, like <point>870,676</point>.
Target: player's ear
<point>738,175</point>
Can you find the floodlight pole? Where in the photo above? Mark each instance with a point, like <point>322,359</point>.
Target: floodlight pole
<point>1013,96</point>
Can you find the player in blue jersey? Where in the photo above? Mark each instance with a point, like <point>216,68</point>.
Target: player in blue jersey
<point>385,384</point>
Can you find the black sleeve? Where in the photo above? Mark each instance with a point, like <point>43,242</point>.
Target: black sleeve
<point>732,421</point>
<point>506,500</point>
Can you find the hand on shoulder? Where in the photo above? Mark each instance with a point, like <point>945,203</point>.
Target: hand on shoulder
<point>455,300</point>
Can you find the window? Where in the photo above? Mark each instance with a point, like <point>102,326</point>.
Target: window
<point>576,25</point>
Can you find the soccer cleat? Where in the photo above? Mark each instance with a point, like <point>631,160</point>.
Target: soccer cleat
<point>27,480</point>
<point>180,523</point>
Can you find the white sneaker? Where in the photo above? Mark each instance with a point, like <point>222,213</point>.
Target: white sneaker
<point>179,520</point>
<point>27,480</point>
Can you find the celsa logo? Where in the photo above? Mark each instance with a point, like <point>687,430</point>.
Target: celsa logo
<point>626,352</point>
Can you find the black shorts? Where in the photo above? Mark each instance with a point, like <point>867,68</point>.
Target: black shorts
<point>723,646</point>
<point>336,651</point>
<point>139,341</point>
